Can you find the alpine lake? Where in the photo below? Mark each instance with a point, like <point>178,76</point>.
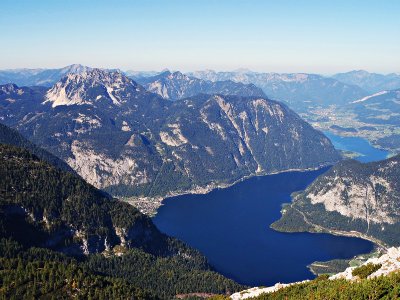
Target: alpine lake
<point>231,226</point>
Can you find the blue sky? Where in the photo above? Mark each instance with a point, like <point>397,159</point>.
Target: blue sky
<point>282,36</point>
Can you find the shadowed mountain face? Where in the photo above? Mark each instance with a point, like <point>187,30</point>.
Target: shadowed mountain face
<point>174,86</point>
<point>119,137</point>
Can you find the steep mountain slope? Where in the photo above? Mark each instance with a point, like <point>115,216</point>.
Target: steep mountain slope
<point>44,207</point>
<point>29,99</point>
<point>300,90</point>
<point>39,77</point>
<point>371,82</point>
<point>95,87</point>
<point>61,209</point>
<point>353,198</point>
<point>10,136</point>
<point>131,142</point>
<point>176,85</point>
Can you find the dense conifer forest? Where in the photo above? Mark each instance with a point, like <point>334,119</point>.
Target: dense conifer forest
<point>51,218</point>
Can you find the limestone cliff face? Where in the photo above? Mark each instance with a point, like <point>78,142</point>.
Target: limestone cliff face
<point>358,197</point>
<point>121,138</point>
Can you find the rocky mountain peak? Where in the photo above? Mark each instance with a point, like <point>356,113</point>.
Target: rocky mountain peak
<point>178,75</point>
<point>177,85</point>
<point>8,88</point>
<point>75,69</point>
<point>91,86</point>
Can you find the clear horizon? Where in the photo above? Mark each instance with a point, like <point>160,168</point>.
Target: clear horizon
<point>149,35</point>
<point>159,70</point>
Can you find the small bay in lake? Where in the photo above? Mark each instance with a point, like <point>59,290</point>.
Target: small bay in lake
<point>231,227</point>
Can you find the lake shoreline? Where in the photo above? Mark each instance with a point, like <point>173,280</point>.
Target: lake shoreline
<point>247,209</point>
<point>150,205</point>
<point>157,202</point>
<point>374,153</point>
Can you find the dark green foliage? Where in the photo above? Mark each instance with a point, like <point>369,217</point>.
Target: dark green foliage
<point>365,270</point>
<point>43,273</point>
<point>384,287</point>
<point>40,273</point>
<point>291,221</point>
<point>329,267</point>
<point>58,200</point>
<point>42,206</point>
<point>163,276</point>
<point>322,277</point>
<point>10,136</point>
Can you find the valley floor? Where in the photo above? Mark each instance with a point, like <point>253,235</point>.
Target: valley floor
<point>345,123</point>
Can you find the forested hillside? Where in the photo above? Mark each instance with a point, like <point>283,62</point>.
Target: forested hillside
<point>42,207</point>
<point>10,136</point>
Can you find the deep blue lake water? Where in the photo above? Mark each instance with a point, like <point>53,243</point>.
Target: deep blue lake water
<point>231,227</point>
<point>356,144</point>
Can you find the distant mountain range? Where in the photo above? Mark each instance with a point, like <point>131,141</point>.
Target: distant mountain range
<point>142,74</point>
<point>38,77</point>
<point>351,198</point>
<point>175,86</point>
<point>122,138</point>
<point>300,90</point>
<point>371,82</point>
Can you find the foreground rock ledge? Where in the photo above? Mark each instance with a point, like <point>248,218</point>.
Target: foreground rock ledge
<point>389,261</point>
